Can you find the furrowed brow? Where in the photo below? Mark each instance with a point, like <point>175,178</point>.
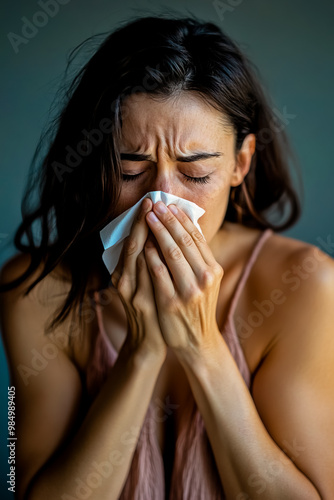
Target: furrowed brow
<point>184,159</point>
<point>198,156</point>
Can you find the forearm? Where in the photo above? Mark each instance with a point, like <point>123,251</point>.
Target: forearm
<point>249,462</point>
<point>108,434</point>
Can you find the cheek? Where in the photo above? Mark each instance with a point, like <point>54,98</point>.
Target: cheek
<point>127,199</point>
<point>215,205</point>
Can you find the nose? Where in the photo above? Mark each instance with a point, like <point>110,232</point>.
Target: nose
<point>164,180</point>
<point>162,183</point>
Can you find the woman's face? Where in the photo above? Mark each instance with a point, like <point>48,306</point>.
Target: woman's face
<point>180,146</point>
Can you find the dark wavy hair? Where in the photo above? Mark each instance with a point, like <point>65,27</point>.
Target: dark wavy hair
<point>79,177</point>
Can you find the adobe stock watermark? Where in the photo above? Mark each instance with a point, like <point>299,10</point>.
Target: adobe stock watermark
<point>291,278</point>
<point>31,27</point>
<point>223,7</point>
<point>280,121</point>
<point>104,469</point>
<point>93,138</point>
<point>99,472</point>
<point>273,470</point>
<point>328,244</point>
<point>40,358</point>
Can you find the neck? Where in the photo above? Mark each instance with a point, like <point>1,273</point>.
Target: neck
<point>232,243</point>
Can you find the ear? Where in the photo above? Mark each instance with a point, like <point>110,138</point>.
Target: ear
<point>243,161</point>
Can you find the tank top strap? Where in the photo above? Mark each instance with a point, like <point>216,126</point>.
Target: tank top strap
<point>247,269</point>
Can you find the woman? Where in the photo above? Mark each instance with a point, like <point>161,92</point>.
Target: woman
<point>202,368</point>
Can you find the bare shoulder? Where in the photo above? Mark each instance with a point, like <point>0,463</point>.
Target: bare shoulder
<point>301,269</point>
<point>43,370</point>
<point>307,276</point>
<point>294,381</point>
<point>283,265</point>
<point>290,288</point>
<point>302,273</point>
<point>293,284</point>
<point>34,311</point>
<point>16,266</point>
<point>39,304</point>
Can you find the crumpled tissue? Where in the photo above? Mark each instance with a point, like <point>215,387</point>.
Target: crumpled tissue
<point>115,232</point>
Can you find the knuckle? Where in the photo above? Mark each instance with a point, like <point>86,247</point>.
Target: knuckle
<point>175,253</point>
<point>120,284</point>
<point>139,303</point>
<point>193,293</point>
<point>141,263</point>
<point>218,270</point>
<point>197,236</point>
<point>123,286</point>
<point>186,240</point>
<point>208,278</point>
<point>131,245</point>
<point>182,216</point>
<point>142,306</point>
<point>169,218</point>
<point>159,226</point>
<point>212,275</point>
<point>159,270</point>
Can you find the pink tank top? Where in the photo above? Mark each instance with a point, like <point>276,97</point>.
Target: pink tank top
<point>194,475</point>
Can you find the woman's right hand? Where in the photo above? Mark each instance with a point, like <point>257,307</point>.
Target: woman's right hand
<point>133,283</point>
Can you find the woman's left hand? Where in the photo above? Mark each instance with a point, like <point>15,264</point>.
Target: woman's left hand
<point>186,291</point>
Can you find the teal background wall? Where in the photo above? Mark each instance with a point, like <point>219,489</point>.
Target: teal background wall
<point>291,42</point>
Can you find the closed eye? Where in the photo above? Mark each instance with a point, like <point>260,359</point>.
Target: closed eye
<point>128,177</point>
<point>199,180</point>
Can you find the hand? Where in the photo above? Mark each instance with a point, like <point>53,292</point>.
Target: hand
<point>134,285</point>
<point>186,286</point>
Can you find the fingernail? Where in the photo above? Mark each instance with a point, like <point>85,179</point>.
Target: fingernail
<point>173,209</point>
<point>161,208</point>
<point>152,217</point>
<point>145,204</point>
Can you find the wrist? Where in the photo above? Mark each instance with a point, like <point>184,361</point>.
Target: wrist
<point>144,355</point>
<point>201,355</point>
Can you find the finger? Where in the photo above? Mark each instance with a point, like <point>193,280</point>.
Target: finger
<point>177,245</point>
<point>116,274</point>
<point>145,301</point>
<point>144,284</point>
<point>134,243</point>
<point>162,281</point>
<point>196,235</point>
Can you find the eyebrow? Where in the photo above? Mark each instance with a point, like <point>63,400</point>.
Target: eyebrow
<point>186,159</point>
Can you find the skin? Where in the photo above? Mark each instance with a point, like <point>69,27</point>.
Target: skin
<point>171,280</point>
<point>167,132</point>
<point>186,275</point>
<point>170,129</point>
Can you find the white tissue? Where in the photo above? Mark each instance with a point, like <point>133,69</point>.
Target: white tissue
<point>114,233</point>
